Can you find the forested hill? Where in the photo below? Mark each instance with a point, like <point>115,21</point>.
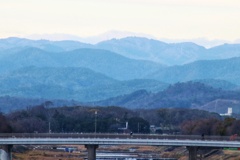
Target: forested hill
<point>179,95</point>
<point>67,83</point>
<point>109,63</point>
<point>109,119</point>
<point>81,119</point>
<point>227,70</point>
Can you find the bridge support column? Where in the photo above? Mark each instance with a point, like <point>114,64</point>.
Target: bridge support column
<point>192,153</point>
<point>5,152</point>
<point>91,148</point>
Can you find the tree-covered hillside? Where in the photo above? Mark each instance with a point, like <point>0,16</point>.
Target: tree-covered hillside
<point>109,119</point>
<point>109,63</point>
<point>82,119</point>
<point>227,69</point>
<point>180,95</point>
<point>67,83</point>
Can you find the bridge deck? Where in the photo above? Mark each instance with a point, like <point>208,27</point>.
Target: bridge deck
<point>117,139</point>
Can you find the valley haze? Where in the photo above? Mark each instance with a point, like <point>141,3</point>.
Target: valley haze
<point>133,72</point>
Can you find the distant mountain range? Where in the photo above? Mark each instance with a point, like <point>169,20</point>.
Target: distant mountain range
<point>91,39</point>
<point>227,69</point>
<point>80,84</point>
<point>103,61</point>
<point>133,47</point>
<point>180,95</point>
<point>168,53</point>
<point>132,72</point>
<point>123,34</point>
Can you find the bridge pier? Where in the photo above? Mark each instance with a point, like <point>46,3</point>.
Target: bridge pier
<point>192,152</point>
<point>5,152</point>
<point>91,148</point>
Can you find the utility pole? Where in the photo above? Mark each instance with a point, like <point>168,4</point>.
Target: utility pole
<point>95,122</point>
<point>138,127</point>
<point>49,127</point>
<point>47,105</point>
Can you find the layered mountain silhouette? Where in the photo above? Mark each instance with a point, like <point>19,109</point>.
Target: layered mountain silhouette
<point>180,95</point>
<point>131,72</point>
<point>103,61</point>
<point>80,84</point>
<point>227,69</point>
<point>134,47</point>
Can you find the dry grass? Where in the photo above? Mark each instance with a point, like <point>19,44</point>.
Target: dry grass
<point>48,155</point>
<point>179,152</point>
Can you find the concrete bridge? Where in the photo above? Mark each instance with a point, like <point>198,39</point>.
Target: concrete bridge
<point>92,141</point>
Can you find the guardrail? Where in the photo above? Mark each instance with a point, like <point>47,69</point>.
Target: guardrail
<point>118,136</point>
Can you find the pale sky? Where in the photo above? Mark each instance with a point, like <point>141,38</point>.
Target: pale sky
<point>172,19</point>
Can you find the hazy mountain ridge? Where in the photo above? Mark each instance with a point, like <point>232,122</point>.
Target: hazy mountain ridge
<point>135,47</point>
<point>149,49</point>
<point>103,61</point>
<point>179,95</point>
<point>72,70</point>
<point>9,104</point>
<point>67,83</point>
<point>225,85</point>
<point>46,45</point>
<point>225,50</point>
<point>168,53</point>
<point>227,70</point>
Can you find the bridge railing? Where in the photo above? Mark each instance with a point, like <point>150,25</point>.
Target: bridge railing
<point>117,136</point>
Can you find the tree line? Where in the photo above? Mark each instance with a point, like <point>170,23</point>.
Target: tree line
<point>82,119</point>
